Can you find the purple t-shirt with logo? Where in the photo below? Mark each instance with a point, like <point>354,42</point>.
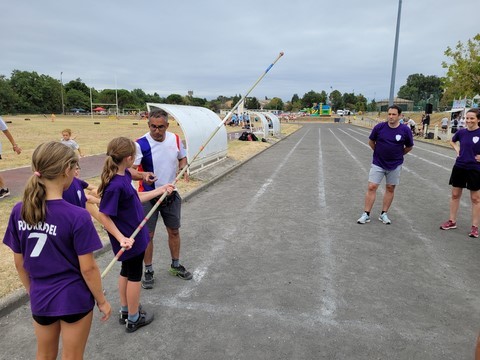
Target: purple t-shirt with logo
<point>121,203</point>
<point>50,256</point>
<point>469,147</point>
<point>390,144</point>
<point>75,193</point>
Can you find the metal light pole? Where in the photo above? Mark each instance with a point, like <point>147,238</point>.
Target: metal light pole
<point>61,92</point>
<point>394,66</point>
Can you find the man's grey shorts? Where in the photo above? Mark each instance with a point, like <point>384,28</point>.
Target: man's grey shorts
<point>377,174</point>
<point>170,213</point>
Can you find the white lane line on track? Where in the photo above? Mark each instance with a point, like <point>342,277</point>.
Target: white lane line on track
<point>329,296</point>
<point>200,272</point>
<point>437,260</point>
<point>270,180</point>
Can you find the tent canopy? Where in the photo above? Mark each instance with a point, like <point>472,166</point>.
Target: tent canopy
<point>99,108</point>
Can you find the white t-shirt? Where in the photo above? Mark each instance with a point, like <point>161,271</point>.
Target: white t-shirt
<point>163,157</point>
<point>3,126</point>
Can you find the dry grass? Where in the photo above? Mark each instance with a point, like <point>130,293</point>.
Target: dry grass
<point>93,139</point>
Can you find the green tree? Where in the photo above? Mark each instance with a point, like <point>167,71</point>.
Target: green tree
<point>463,71</point>
<point>79,85</point>
<point>275,104</point>
<point>174,99</point>
<point>419,88</point>
<point>349,100</point>
<point>361,103</point>
<point>336,100</point>
<point>252,103</point>
<point>311,98</point>
<point>8,97</point>
<point>236,99</point>
<point>76,99</point>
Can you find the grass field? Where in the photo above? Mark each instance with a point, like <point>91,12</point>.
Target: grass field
<point>93,139</point>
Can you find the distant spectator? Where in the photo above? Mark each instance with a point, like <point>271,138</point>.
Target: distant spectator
<point>461,123</point>
<point>412,125</point>
<point>426,124</point>
<point>444,124</point>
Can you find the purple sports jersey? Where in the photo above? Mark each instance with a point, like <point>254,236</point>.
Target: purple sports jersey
<point>121,203</point>
<point>469,147</point>
<point>75,193</point>
<point>50,253</point>
<point>389,144</point>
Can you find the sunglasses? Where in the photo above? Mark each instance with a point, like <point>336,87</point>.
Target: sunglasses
<point>157,127</point>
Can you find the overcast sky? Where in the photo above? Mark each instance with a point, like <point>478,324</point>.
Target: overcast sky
<point>221,47</point>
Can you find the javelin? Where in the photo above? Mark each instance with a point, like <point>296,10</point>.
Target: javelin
<point>182,171</point>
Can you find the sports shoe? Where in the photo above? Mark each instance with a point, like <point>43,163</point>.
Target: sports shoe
<point>4,193</point>
<point>181,272</point>
<point>447,225</point>
<point>123,315</point>
<point>143,320</point>
<point>474,232</point>
<point>384,219</point>
<point>148,280</point>
<point>363,219</point>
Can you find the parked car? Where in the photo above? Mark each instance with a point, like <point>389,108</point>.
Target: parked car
<point>340,112</point>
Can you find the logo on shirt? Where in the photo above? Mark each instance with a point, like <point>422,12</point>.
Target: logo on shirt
<point>475,139</point>
<point>398,137</point>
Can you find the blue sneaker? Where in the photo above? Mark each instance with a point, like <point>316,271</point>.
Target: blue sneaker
<point>384,219</point>
<point>363,219</point>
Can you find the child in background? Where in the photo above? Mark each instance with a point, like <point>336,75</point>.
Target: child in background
<point>69,141</point>
<point>120,213</point>
<point>53,244</point>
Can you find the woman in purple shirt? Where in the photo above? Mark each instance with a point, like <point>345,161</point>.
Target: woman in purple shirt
<point>53,243</point>
<point>466,171</point>
<point>121,212</point>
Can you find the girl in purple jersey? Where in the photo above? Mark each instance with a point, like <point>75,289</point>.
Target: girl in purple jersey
<point>121,213</point>
<point>466,171</point>
<point>53,243</point>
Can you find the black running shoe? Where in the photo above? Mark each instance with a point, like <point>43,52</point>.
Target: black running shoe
<point>143,320</point>
<point>148,280</point>
<point>4,193</point>
<point>181,272</point>
<point>123,315</point>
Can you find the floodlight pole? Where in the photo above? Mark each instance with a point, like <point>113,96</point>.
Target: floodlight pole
<point>395,51</point>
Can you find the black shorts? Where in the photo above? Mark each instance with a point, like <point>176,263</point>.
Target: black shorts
<point>170,212</point>
<point>49,320</point>
<point>465,178</point>
<point>132,268</point>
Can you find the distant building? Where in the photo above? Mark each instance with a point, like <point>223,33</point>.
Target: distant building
<point>404,104</point>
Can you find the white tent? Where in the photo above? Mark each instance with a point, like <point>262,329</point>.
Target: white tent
<point>275,130</point>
